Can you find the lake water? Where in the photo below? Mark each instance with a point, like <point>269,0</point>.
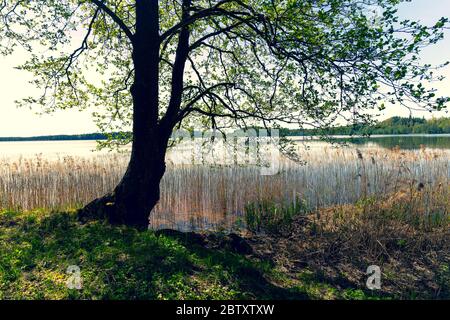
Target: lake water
<point>51,150</point>
<point>59,149</point>
<point>409,142</point>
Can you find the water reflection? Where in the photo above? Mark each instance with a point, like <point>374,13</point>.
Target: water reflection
<point>407,142</point>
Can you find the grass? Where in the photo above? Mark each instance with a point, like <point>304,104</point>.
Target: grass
<point>323,255</point>
<point>270,217</point>
<point>409,241</point>
<point>118,263</point>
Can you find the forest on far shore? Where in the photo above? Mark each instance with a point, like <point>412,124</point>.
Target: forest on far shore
<point>394,125</point>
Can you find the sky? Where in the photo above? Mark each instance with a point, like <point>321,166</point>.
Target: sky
<point>24,122</point>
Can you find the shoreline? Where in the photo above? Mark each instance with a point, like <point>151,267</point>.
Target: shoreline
<point>293,137</point>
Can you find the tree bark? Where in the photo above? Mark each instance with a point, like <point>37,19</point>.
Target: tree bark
<point>138,192</point>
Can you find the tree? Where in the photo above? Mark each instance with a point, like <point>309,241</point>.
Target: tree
<point>218,63</point>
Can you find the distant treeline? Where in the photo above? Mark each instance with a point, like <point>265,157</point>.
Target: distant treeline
<point>89,136</point>
<point>394,125</point>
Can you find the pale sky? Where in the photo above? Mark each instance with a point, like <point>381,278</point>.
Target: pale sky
<point>23,122</point>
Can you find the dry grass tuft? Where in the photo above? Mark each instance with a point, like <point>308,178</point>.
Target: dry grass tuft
<point>408,240</point>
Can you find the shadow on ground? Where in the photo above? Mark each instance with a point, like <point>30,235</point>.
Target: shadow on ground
<point>122,263</point>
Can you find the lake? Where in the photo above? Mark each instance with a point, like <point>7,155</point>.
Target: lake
<point>48,149</point>
<point>53,150</point>
<point>409,142</point>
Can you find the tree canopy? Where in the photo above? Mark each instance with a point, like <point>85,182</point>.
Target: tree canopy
<point>235,62</point>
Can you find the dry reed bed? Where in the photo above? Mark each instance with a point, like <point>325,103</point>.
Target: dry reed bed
<point>205,196</point>
<point>27,183</point>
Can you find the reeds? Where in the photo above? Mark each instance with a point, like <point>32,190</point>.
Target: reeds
<point>30,183</point>
<point>204,196</point>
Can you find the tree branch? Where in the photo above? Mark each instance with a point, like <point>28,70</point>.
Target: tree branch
<point>100,4</point>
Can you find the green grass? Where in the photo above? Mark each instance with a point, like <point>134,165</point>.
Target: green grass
<point>119,263</point>
<point>271,217</point>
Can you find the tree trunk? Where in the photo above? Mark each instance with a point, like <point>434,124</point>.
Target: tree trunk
<point>138,192</point>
